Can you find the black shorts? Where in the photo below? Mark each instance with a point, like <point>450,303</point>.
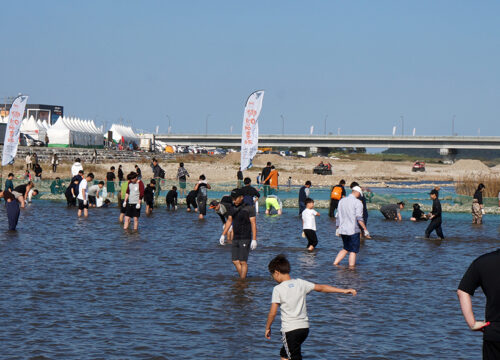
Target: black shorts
<point>149,202</point>
<point>191,202</point>
<point>81,206</point>
<point>312,239</point>
<point>491,350</point>
<point>132,211</point>
<point>92,200</point>
<point>123,209</point>
<point>292,342</point>
<point>240,250</point>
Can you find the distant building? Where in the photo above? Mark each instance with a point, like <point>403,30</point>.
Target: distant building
<point>50,113</point>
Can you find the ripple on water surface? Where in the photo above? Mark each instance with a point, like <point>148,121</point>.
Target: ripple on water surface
<point>84,288</point>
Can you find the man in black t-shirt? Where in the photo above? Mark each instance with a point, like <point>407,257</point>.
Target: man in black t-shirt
<point>484,272</point>
<point>435,216</point>
<point>242,217</point>
<point>267,184</point>
<point>249,192</point>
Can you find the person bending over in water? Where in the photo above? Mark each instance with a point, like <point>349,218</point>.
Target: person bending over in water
<point>223,209</point>
<point>21,192</point>
<point>191,201</point>
<point>171,198</point>
<point>418,214</point>
<point>273,202</point>
<point>393,211</point>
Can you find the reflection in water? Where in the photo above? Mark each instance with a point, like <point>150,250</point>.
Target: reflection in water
<point>85,288</point>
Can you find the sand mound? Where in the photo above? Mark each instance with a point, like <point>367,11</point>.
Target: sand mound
<point>264,158</point>
<point>370,168</point>
<point>231,158</point>
<point>496,168</point>
<point>464,165</point>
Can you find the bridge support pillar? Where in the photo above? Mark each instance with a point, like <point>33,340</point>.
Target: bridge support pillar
<point>447,153</point>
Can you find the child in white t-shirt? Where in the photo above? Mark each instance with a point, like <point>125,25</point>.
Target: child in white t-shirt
<point>309,224</point>
<point>290,294</point>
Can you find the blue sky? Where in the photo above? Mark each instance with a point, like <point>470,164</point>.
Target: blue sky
<point>362,63</point>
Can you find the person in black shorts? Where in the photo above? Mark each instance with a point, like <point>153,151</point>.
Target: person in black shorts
<point>484,272</point>
<point>242,218</point>
<point>191,201</point>
<point>149,196</point>
<point>171,198</point>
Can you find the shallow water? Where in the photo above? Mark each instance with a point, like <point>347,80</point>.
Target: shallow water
<point>84,288</point>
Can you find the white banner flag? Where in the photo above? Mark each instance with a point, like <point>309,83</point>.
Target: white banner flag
<point>11,140</point>
<point>250,131</point>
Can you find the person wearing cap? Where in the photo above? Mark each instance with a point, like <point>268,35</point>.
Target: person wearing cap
<point>222,208</point>
<point>349,220</point>
<point>393,211</point>
<point>242,218</point>
<point>435,216</point>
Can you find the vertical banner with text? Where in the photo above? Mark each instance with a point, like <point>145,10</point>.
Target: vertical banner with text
<point>250,131</point>
<point>11,140</point>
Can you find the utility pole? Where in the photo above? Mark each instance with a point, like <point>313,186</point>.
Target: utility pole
<point>453,125</point>
<point>326,117</point>
<point>402,125</point>
<point>282,125</point>
<point>169,124</point>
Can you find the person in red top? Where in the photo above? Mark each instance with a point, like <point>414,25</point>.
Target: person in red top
<point>133,200</point>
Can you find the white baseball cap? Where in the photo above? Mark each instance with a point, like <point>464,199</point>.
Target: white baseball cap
<point>358,189</point>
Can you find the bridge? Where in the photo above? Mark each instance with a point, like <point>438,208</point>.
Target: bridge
<point>444,143</point>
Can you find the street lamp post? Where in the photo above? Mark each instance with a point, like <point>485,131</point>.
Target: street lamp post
<point>282,124</point>
<point>402,125</point>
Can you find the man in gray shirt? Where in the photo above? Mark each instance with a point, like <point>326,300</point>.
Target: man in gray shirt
<point>392,211</point>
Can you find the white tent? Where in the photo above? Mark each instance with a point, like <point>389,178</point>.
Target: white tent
<point>68,132</point>
<point>33,129</point>
<point>124,132</point>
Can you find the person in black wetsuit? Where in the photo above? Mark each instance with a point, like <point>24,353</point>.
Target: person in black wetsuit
<point>435,216</point>
<point>171,198</point>
<point>418,214</point>
<point>191,201</point>
<point>149,196</point>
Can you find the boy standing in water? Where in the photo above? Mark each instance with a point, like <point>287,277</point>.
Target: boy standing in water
<point>290,294</point>
<point>435,216</point>
<point>309,224</point>
<point>133,199</point>
<point>83,195</point>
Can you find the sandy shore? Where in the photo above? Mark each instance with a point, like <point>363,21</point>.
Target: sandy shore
<point>224,169</point>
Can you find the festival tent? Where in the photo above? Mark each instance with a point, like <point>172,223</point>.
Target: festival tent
<point>72,132</point>
<point>124,133</point>
<point>33,129</point>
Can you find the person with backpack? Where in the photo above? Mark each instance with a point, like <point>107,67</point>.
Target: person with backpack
<point>337,193</point>
<point>202,188</point>
<point>303,195</point>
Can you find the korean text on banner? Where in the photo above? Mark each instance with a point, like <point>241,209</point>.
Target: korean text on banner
<point>250,131</point>
<point>11,140</point>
